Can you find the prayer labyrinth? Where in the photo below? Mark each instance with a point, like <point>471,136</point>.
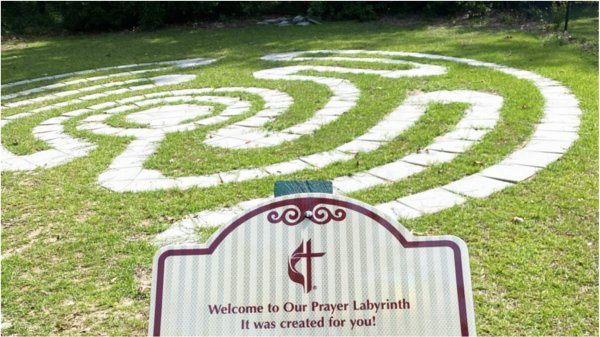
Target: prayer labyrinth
<point>150,117</point>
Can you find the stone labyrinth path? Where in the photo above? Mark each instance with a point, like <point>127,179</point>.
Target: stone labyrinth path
<point>159,113</point>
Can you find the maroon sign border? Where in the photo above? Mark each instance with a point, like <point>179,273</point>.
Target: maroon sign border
<point>308,203</point>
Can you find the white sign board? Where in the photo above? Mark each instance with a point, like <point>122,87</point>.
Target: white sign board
<point>313,264</point>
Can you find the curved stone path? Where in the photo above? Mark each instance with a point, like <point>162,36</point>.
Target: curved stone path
<point>160,113</point>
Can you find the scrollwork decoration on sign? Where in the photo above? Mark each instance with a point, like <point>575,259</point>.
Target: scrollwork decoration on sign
<point>294,215</point>
<point>322,215</point>
<point>290,216</point>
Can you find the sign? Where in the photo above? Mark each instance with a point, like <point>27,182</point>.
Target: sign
<point>313,264</point>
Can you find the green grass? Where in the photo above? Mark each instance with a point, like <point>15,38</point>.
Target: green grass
<point>584,24</point>
<point>77,257</point>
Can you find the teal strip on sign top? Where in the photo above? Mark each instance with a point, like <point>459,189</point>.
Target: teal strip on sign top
<point>302,186</point>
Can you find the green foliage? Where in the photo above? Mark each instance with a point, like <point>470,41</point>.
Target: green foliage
<point>335,10</point>
<point>97,16</point>
<point>152,15</point>
<point>30,17</point>
<point>26,17</point>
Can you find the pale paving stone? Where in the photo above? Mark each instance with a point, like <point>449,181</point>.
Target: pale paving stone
<point>117,185</point>
<point>168,115</point>
<point>51,135</point>
<point>557,127</point>
<point>356,146</point>
<point>396,171</point>
<point>127,161</point>
<point>565,101</point>
<point>47,128</point>
<point>17,116</point>
<point>569,111</point>
<point>126,174</point>
<point>61,104</point>
<point>398,210</point>
<point>54,120</point>
<point>269,112</point>
<point>119,91</point>
<point>67,93</point>
<point>429,158</point>
<point>172,79</point>
<point>93,96</point>
<point>562,119</point>
<point>287,167</point>
<point>356,182</point>
<point>325,158</point>
<point>386,135</point>
<point>554,135</point>
<point>211,120</point>
<point>271,140</point>
<point>76,113</point>
<point>476,124</point>
<point>16,164</point>
<point>178,99</point>
<point>476,186</point>
<point>97,118</point>
<point>48,158</point>
<point>102,106</point>
<point>303,129</point>
<point>213,218</point>
<point>255,121</point>
<point>183,231</point>
<point>549,146</point>
<point>153,101</point>
<point>128,100</point>
<point>456,146</point>
<point>226,142</point>
<point>432,200</point>
<point>76,149</point>
<point>465,134</point>
<point>143,87</point>
<point>512,173</point>
<point>531,158</point>
<point>241,175</point>
<point>90,79</point>
<point>121,108</point>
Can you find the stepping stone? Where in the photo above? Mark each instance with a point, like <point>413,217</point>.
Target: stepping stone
<point>511,173</point>
<point>325,158</point>
<point>531,158</point>
<point>287,167</point>
<point>429,158</point>
<point>168,115</point>
<point>356,182</point>
<point>396,171</point>
<point>455,146</point>
<point>241,175</point>
<point>476,186</point>
<point>397,210</point>
<point>356,146</point>
<point>432,200</point>
<point>549,146</point>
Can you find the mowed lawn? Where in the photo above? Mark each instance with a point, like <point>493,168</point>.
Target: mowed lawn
<point>77,257</point>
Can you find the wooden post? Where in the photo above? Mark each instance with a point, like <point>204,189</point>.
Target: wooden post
<point>567,16</point>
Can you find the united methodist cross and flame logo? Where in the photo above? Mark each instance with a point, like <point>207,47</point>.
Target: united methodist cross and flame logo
<point>304,251</point>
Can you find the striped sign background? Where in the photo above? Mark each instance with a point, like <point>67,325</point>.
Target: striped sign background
<point>368,256</point>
